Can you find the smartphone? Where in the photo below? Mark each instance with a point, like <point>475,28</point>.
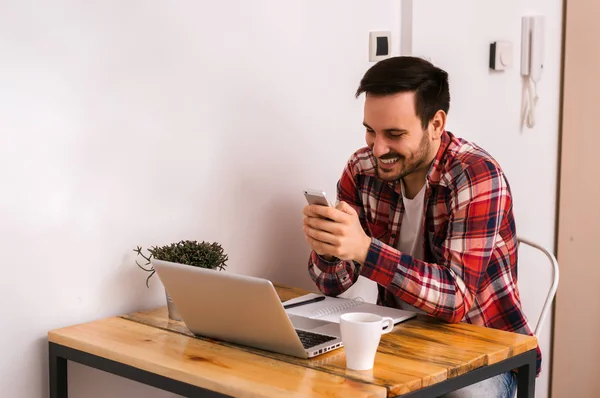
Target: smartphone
<point>316,197</point>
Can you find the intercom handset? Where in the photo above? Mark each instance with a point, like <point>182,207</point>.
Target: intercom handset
<point>532,62</point>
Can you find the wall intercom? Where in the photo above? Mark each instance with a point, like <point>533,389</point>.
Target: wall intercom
<point>532,62</point>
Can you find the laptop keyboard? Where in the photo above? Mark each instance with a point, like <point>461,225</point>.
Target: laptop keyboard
<point>310,339</point>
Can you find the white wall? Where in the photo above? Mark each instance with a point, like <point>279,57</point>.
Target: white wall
<point>486,107</point>
<point>144,122</point>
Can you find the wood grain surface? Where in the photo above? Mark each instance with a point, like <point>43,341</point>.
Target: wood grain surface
<point>417,353</point>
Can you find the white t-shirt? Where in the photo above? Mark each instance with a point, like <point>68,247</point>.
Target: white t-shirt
<point>411,238</point>
<point>411,234</point>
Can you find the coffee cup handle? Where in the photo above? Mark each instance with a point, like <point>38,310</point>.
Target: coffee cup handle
<point>390,325</point>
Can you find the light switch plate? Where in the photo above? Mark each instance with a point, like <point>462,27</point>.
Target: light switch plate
<point>380,45</point>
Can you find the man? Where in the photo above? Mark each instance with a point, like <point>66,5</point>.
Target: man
<point>426,215</point>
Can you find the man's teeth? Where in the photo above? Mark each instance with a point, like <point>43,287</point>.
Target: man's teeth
<point>389,161</point>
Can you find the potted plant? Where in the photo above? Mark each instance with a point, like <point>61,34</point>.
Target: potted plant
<point>190,252</point>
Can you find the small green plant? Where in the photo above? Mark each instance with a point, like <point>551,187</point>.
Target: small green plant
<point>189,252</point>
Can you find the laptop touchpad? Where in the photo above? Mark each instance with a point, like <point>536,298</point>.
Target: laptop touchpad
<point>304,323</point>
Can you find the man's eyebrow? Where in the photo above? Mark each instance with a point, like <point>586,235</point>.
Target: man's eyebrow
<point>395,130</point>
<point>390,130</point>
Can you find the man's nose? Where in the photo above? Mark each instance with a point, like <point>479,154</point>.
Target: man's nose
<point>380,147</point>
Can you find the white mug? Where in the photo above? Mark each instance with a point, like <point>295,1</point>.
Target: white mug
<point>361,333</point>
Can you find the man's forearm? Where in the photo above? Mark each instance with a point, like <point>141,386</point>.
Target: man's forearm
<point>428,286</point>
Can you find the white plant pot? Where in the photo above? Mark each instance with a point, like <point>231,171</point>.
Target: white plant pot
<point>172,308</point>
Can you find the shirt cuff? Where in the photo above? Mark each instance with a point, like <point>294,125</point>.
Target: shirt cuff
<point>328,267</point>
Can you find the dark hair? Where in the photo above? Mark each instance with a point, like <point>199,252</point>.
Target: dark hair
<point>410,74</point>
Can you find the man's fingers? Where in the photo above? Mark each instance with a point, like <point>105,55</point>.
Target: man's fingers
<point>325,212</point>
<point>323,225</point>
<point>319,247</point>
<point>321,236</point>
<point>322,248</point>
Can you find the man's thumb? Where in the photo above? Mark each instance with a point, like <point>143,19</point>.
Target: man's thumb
<point>346,208</point>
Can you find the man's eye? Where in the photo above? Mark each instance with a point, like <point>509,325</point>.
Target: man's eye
<point>370,131</point>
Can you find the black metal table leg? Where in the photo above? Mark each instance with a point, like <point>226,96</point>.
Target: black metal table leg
<point>526,377</point>
<point>59,355</point>
<point>58,374</point>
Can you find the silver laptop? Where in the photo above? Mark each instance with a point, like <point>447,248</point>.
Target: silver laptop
<point>243,310</point>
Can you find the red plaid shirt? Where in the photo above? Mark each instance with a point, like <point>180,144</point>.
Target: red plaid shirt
<point>469,270</point>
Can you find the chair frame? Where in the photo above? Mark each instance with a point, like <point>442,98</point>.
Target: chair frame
<point>553,287</point>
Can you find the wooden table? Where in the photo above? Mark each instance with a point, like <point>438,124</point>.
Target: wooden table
<point>421,357</point>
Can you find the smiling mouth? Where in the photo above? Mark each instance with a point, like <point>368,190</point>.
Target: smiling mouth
<point>388,163</point>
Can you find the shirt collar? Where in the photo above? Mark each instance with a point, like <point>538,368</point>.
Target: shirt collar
<point>434,175</point>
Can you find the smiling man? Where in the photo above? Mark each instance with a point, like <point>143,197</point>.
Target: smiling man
<point>426,215</point>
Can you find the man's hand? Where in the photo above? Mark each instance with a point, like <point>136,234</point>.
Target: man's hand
<point>336,232</point>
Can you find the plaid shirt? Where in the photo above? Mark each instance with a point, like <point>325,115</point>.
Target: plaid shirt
<point>469,270</point>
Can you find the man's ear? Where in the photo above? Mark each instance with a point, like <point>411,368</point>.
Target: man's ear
<point>438,124</point>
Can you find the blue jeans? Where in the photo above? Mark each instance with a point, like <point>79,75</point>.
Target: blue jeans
<point>503,385</point>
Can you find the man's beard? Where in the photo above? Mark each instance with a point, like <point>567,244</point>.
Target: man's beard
<point>411,165</point>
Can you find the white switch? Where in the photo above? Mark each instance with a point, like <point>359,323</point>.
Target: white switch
<point>501,55</point>
<point>379,45</point>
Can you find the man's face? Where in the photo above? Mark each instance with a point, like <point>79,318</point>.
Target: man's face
<point>395,135</point>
